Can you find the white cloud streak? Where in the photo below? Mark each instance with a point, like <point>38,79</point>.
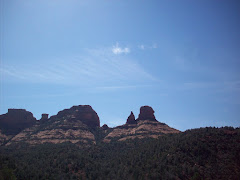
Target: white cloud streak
<point>118,50</point>
<point>94,68</point>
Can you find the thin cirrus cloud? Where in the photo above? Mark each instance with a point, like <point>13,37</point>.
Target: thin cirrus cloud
<point>94,68</point>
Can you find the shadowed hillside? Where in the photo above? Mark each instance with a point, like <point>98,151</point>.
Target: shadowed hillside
<point>205,153</point>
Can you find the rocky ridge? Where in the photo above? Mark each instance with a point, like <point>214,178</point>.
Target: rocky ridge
<point>146,125</point>
<point>15,120</point>
<point>79,125</point>
<point>131,119</point>
<point>69,125</point>
<point>146,113</point>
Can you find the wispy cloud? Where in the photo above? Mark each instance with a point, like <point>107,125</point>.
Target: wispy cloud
<point>144,47</point>
<point>94,68</point>
<point>230,87</point>
<point>154,46</point>
<point>114,88</point>
<point>119,50</point>
<point>199,85</point>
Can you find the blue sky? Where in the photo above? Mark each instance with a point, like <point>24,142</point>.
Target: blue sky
<point>180,57</point>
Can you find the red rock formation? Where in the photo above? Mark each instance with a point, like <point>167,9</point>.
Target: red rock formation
<point>146,113</point>
<point>131,119</point>
<point>44,117</point>
<point>104,127</point>
<point>16,120</point>
<point>84,113</point>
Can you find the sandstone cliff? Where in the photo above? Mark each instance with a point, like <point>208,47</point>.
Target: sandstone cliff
<point>145,126</point>
<point>146,113</point>
<point>78,125</point>
<point>15,120</point>
<point>131,119</point>
<point>70,125</point>
<point>83,113</point>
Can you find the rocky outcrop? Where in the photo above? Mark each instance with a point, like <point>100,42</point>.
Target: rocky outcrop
<point>145,126</point>
<point>79,125</point>
<point>105,127</point>
<point>15,120</point>
<point>84,113</point>
<point>146,113</point>
<point>131,119</point>
<point>143,129</point>
<point>54,136</point>
<point>44,117</point>
<point>55,131</point>
<point>69,125</point>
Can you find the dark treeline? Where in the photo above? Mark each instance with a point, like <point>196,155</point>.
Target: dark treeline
<point>205,153</point>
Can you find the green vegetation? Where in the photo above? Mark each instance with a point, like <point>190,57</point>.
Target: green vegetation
<point>205,153</point>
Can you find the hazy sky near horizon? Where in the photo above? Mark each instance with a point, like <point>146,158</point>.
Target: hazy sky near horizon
<point>180,57</point>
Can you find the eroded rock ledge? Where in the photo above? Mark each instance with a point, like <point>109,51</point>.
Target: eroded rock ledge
<point>78,125</point>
